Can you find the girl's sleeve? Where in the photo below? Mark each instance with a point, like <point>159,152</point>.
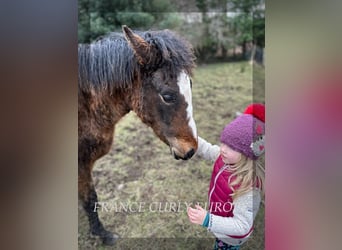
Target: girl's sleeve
<point>245,210</point>
<point>206,150</point>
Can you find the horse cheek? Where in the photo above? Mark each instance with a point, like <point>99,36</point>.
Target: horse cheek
<point>165,117</point>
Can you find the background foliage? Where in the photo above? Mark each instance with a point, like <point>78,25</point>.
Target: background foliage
<point>218,29</point>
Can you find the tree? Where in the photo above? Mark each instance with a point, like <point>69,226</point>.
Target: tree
<point>98,17</point>
<point>216,32</point>
<point>229,23</point>
<point>251,21</point>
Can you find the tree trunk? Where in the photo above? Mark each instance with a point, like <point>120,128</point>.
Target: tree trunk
<point>244,49</point>
<point>252,53</point>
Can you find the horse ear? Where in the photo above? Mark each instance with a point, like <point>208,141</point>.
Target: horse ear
<point>140,47</point>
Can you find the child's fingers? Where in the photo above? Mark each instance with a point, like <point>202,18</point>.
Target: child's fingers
<point>199,207</point>
<point>192,212</point>
<point>193,219</point>
<point>193,215</point>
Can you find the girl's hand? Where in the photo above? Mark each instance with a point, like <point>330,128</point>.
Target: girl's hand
<point>196,215</point>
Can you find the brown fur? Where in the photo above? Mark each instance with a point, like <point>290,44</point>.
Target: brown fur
<point>99,110</point>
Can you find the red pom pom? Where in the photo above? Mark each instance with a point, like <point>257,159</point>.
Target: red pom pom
<point>257,110</point>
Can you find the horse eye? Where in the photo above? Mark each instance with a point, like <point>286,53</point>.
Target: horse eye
<point>168,98</point>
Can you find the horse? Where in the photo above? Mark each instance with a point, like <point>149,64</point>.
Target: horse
<point>147,72</point>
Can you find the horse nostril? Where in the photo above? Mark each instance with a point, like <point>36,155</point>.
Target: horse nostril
<point>189,154</point>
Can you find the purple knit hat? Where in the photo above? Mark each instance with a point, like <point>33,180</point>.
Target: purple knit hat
<point>246,134</point>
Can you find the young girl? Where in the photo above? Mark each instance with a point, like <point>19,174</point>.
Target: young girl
<point>237,180</point>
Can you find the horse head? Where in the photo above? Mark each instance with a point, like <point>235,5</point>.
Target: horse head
<point>163,89</point>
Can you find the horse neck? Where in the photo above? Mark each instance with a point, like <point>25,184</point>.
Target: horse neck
<point>134,98</point>
<point>107,107</point>
<point>118,102</point>
<point>122,101</point>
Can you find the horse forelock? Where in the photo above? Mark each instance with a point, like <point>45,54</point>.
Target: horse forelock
<point>174,51</point>
<point>109,62</point>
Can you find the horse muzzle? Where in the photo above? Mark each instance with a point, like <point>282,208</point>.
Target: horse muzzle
<point>185,156</point>
<point>183,149</point>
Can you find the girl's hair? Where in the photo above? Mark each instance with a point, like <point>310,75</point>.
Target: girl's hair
<point>246,175</point>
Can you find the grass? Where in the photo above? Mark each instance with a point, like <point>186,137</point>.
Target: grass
<point>140,171</point>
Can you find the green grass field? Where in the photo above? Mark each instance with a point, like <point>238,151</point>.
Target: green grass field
<point>140,171</point>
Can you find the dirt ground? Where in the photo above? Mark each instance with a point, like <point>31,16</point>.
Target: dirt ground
<point>146,190</point>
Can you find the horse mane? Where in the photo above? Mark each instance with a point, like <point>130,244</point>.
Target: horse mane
<point>109,62</point>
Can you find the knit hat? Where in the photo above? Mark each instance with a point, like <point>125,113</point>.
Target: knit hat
<point>246,134</point>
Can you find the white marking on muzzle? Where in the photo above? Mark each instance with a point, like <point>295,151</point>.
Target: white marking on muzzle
<point>183,82</point>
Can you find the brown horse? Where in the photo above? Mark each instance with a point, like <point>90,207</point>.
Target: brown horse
<point>147,72</point>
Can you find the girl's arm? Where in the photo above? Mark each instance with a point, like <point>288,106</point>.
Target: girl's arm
<point>245,210</point>
<point>206,150</point>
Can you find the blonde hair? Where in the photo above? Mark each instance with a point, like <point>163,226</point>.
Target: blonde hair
<point>248,174</point>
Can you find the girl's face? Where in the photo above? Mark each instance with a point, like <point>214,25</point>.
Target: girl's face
<point>229,156</point>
